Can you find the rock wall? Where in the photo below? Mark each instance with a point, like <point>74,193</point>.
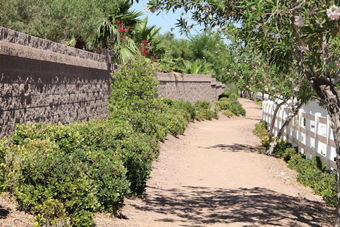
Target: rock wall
<point>189,87</point>
<point>45,81</point>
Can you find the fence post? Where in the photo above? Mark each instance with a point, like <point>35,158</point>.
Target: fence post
<point>316,128</point>
<point>288,128</point>
<point>328,152</point>
<point>308,128</point>
<point>299,133</point>
<point>294,133</point>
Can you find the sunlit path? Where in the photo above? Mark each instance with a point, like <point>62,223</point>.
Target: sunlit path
<point>213,176</point>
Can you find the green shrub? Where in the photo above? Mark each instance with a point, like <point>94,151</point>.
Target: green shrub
<point>261,129</point>
<point>289,153</point>
<point>40,172</point>
<point>228,113</point>
<point>312,172</point>
<point>97,134</point>
<point>265,141</point>
<point>137,152</point>
<point>281,147</point>
<point>259,102</point>
<point>132,96</point>
<point>233,96</point>
<point>224,94</point>
<point>222,105</point>
<point>94,167</point>
<point>4,151</point>
<point>224,99</point>
<point>181,105</point>
<point>187,107</point>
<point>231,104</point>
<point>237,109</point>
<point>202,104</point>
<point>174,122</point>
<point>204,114</point>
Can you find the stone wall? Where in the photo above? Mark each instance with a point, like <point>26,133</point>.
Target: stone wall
<point>189,87</point>
<point>45,81</point>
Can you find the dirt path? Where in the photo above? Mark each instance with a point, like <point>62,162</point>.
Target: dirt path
<point>212,176</point>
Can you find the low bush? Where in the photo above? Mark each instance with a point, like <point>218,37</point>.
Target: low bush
<point>231,104</point>
<point>137,153</point>
<point>182,105</point>
<point>265,141</point>
<point>4,150</point>
<point>175,121</point>
<point>224,94</point>
<point>261,129</point>
<point>312,172</point>
<point>228,113</point>
<point>237,109</point>
<point>259,102</point>
<point>222,105</point>
<point>281,148</point>
<point>75,167</point>
<point>289,153</point>
<point>204,112</point>
<point>233,96</point>
<point>202,104</point>
<point>224,99</point>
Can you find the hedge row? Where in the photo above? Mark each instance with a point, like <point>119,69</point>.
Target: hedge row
<point>68,172</point>
<point>311,172</point>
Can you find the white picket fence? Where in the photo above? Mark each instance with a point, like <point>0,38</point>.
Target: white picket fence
<point>310,132</point>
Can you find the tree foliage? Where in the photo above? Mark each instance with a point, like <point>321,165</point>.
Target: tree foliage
<point>55,20</point>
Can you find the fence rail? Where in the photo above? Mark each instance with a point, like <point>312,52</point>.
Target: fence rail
<point>310,132</point>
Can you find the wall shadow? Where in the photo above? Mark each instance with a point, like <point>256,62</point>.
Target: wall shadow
<point>3,212</point>
<point>236,147</point>
<point>203,206</point>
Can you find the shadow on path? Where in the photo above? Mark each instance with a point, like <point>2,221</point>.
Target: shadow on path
<point>203,205</point>
<point>3,212</point>
<point>234,148</point>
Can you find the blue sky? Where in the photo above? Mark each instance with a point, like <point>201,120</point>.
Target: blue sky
<point>165,20</point>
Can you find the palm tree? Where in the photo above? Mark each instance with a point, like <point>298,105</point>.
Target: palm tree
<point>197,67</point>
<point>144,32</point>
<point>115,33</point>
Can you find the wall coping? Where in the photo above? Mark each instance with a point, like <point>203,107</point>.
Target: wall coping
<point>24,41</point>
<point>219,84</point>
<point>171,77</point>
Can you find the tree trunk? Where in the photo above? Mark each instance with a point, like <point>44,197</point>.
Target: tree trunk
<point>279,134</point>
<point>333,109</point>
<point>273,120</point>
<point>329,93</point>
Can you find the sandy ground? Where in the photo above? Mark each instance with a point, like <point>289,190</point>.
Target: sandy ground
<point>212,176</point>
